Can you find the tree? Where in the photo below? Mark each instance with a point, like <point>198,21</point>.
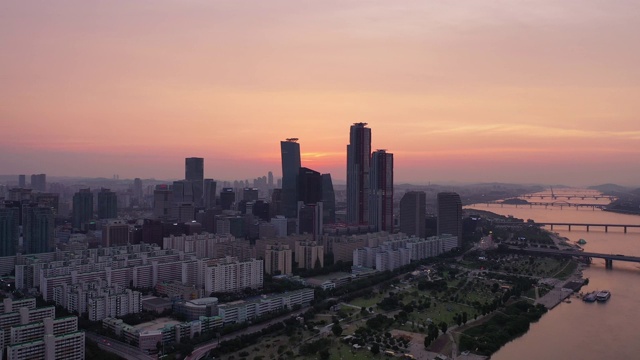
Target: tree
<point>464,317</point>
<point>375,349</point>
<point>324,354</point>
<point>336,329</point>
<point>443,327</point>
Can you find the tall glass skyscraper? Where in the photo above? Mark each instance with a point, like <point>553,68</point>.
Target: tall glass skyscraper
<point>412,213</point>
<point>107,204</point>
<point>38,230</point>
<point>290,151</point>
<point>82,208</point>
<point>9,230</point>
<point>194,174</point>
<point>450,215</point>
<point>358,159</point>
<point>381,191</point>
<point>328,200</point>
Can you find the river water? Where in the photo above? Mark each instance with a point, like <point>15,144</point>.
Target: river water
<point>580,330</point>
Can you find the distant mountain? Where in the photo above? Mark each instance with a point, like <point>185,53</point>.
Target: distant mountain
<point>609,188</point>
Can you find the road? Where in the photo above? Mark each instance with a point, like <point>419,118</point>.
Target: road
<point>119,348</point>
<point>200,351</point>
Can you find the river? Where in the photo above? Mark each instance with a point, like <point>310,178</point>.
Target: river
<point>579,330</point>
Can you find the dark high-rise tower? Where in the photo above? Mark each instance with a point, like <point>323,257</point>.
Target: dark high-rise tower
<point>9,230</point>
<point>328,200</point>
<point>22,181</point>
<point>107,204</point>
<point>381,191</point>
<point>137,190</point>
<point>412,214</point>
<point>358,159</point>
<point>450,215</point>
<point>38,229</point>
<point>227,198</point>
<point>39,182</point>
<point>309,186</point>
<point>290,152</point>
<point>194,173</point>
<point>209,195</point>
<point>82,208</point>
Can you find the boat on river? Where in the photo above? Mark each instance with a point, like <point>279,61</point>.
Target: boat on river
<point>590,297</point>
<point>603,295</point>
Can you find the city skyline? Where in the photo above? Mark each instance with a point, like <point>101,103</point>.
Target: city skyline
<point>480,92</point>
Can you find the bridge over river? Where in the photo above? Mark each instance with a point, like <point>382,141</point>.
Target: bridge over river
<point>608,258</point>
<point>589,225</point>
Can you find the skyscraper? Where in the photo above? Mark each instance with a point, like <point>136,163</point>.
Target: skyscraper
<point>227,198</point>
<point>412,214</point>
<point>450,215</point>
<point>358,159</point>
<point>290,152</point>
<point>194,173</point>
<point>9,230</point>
<point>38,229</point>
<point>209,197</point>
<point>381,191</point>
<point>22,181</point>
<point>328,200</point>
<point>137,189</point>
<point>309,186</point>
<point>270,180</point>
<point>82,208</point>
<point>107,204</point>
<point>162,199</point>
<point>39,182</point>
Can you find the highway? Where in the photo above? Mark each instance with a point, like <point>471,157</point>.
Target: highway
<point>121,349</point>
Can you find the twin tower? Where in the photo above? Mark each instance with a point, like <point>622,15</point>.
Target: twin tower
<point>369,180</point>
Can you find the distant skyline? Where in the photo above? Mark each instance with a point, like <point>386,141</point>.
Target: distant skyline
<point>501,91</point>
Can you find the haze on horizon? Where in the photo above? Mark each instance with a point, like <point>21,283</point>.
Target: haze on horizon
<point>526,92</point>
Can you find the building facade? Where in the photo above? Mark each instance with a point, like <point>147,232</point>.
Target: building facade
<point>358,163</point>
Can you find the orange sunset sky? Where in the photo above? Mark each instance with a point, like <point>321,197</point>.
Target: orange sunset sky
<point>517,91</point>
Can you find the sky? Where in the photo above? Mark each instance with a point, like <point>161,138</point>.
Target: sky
<point>524,91</point>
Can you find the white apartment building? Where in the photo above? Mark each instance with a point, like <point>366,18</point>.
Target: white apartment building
<point>241,311</point>
<point>230,275</point>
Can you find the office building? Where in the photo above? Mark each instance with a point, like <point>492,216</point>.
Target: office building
<point>290,152</point>
<point>412,213</point>
<point>182,192</point>
<point>115,233</point>
<point>209,195</point>
<point>227,198</point>
<point>39,182</point>
<point>22,181</point>
<point>194,174</point>
<point>38,229</point>
<point>328,200</point>
<point>9,230</point>
<point>277,259</point>
<point>358,161</point>
<point>381,191</point>
<point>250,194</point>
<point>137,190</point>
<point>162,200</point>
<point>48,200</point>
<point>82,208</point>
<point>309,186</point>
<point>449,208</point>
<point>107,204</point>
<point>310,218</point>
